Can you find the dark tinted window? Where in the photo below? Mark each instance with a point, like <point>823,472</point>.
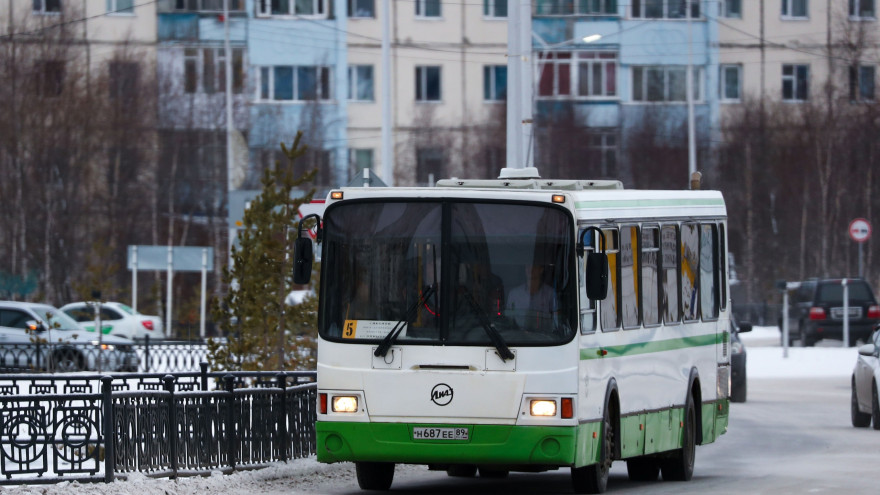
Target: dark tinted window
<point>81,314</point>
<point>14,318</point>
<point>832,293</point>
<point>110,314</point>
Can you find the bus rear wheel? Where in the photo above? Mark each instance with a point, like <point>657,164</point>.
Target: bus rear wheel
<point>374,475</point>
<point>680,466</point>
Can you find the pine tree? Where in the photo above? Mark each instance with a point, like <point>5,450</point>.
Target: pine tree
<point>263,332</point>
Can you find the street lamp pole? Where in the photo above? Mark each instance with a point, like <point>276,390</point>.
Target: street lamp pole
<point>692,146</point>
<point>519,84</point>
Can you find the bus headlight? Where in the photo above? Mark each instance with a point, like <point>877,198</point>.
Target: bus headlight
<point>345,404</point>
<point>543,408</point>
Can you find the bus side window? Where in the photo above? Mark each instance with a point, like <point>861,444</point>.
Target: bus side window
<point>629,284</point>
<point>609,308</point>
<point>709,280</point>
<point>587,306</point>
<point>669,305</point>
<point>651,282</point>
<point>690,271</point>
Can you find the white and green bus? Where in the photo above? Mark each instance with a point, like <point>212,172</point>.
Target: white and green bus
<point>521,324</point>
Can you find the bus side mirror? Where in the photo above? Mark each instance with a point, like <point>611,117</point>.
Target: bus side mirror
<point>597,276</point>
<point>302,260</point>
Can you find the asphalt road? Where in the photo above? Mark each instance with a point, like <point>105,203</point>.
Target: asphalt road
<point>793,436</point>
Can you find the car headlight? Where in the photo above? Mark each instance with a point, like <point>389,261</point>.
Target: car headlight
<point>345,403</point>
<point>543,407</point>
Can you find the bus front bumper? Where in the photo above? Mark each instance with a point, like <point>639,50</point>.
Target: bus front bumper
<point>487,444</point>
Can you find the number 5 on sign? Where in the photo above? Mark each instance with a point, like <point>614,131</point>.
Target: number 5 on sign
<point>350,329</point>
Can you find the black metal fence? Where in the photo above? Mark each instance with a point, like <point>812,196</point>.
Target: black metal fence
<point>143,356</point>
<point>91,427</point>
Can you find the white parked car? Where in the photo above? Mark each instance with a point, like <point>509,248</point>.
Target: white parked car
<point>116,319</point>
<point>866,384</point>
<point>40,337</point>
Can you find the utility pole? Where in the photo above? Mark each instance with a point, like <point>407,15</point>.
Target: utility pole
<point>387,162</point>
<point>230,125</point>
<point>692,145</point>
<point>519,84</point>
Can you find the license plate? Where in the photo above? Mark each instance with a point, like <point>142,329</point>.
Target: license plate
<point>854,312</point>
<point>428,433</point>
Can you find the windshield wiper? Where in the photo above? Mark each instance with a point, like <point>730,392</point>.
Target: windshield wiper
<point>497,340</point>
<point>410,313</point>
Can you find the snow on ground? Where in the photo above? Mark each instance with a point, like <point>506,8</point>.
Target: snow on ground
<point>306,476</point>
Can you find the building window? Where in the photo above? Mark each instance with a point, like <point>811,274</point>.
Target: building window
<point>361,8</point>
<point>495,8</point>
<point>602,152</point>
<point>208,5</point>
<point>120,6</point>
<point>50,78</point>
<point>430,165</point>
<point>664,83</point>
<point>579,7</point>
<point>794,8</point>
<point>204,70</point>
<point>494,82</point>
<point>303,8</point>
<point>294,83</point>
<point>47,6</point>
<point>360,82</point>
<point>732,8</point>
<point>427,8</point>
<point>862,9</point>
<point>731,82</point>
<point>358,161</point>
<point>664,9</point>
<point>579,74</point>
<point>861,83</point>
<point>123,80</point>
<point>428,83</point>
<point>795,82</point>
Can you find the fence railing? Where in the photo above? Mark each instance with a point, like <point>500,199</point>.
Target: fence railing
<point>142,356</point>
<point>92,427</point>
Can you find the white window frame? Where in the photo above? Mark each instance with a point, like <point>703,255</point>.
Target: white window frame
<point>722,90</point>
<point>578,58</point>
<point>489,8</point>
<point>113,8</point>
<point>321,70</point>
<point>354,79</point>
<point>855,7</point>
<point>491,70</point>
<point>856,84</point>
<point>43,10</point>
<point>422,5</point>
<point>353,154</point>
<point>422,81</point>
<point>641,12</point>
<point>725,12</point>
<point>569,7</point>
<point>788,6</point>
<point>667,71</point>
<point>351,5</point>
<point>219,65</point>
<point>264,9</point>
<point>794,80</point>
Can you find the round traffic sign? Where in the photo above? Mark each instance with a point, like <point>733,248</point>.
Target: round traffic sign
<point>860,230</point>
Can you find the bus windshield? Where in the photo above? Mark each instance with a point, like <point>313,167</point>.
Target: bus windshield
<point>445,271</point>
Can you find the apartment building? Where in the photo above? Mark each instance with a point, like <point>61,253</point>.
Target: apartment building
<point>610,68</point>
<point>797,51</point>
<point>448,88</point>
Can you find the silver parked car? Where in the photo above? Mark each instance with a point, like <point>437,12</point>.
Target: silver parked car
<point>864,405</point>
<point>40,337</point>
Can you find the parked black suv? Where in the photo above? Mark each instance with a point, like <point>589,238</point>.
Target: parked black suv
<point>816,311</point>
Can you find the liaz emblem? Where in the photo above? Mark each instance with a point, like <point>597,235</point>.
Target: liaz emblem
<point>441,394</point>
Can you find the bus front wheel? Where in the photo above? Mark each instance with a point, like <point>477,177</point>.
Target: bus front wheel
<point>594,478</point>
<point>374,475</point>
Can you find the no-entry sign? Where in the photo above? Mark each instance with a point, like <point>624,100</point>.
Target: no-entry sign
<point>860,230</point>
